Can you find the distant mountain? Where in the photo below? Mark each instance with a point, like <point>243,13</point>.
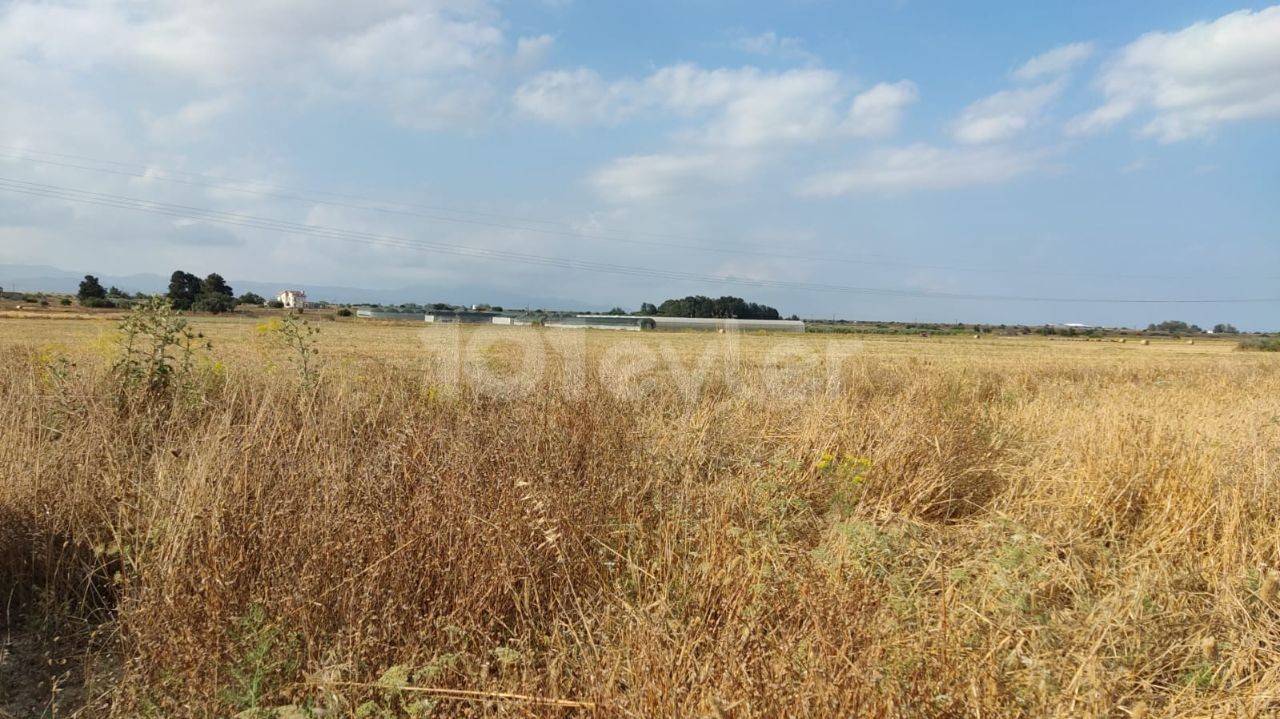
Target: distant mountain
<point>9,272</point>
<point>45,278</point>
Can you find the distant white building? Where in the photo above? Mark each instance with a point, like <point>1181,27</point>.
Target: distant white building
<point>293,299</point>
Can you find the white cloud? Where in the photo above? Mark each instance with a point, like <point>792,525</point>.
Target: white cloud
<point>921,167</point>
<point>43,110</point>
<point>878,111</point>
<point>194,232</point>
<point>686,87</point>
<point>427,63</point>
<point>190,120</point>
<point>1137,165</point>
<point>61,35</point>
<point>765,43</point>
<point>237,41</point>
<point>1057,61</point>
<point>1100,118</point>
<point>569,97</point>
<point>797,106</point>
<point>739,107</point>
<point>415,43</point>
<point>646,177</point>
<point>736,119</point>
<point>532,51</point>
<point>1194,80</point>
<point>768,44</point>
<point>1004,114</point>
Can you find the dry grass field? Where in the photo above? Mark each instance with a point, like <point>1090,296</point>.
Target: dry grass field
<point>684,525</point>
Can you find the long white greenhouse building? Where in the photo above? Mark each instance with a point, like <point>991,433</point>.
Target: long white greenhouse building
<point>705,324</point>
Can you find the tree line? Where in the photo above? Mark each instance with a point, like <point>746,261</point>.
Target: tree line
<point>726,307</point>
<point>1178,327</point>
<point>186,292</point>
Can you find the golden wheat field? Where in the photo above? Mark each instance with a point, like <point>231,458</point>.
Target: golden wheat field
<point>528,522</point>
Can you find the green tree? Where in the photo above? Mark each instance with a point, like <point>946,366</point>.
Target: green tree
<point>648,308</point>
<point>249,298</point>
<point>215,285</point>
<point>722,307</point>
<point>91,289</point>
<point>1225,329</point>
<point>184,289</point>
<point>1174,327</point>
<point>215,303</point>
<point>215,295</point>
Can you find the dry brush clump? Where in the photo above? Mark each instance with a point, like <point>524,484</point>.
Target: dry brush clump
<point>949,535</point>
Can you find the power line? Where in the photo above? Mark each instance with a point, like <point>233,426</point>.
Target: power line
<point>682,243</point>
<point>319,231</point>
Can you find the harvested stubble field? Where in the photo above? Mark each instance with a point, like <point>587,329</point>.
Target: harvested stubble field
<point>903,527</point>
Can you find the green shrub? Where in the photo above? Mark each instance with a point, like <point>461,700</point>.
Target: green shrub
<point>299,336</point>
<point>264,657</point>
<point>157,347</point>
<point>1260,344</point>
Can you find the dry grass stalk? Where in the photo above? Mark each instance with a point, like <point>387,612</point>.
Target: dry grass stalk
<point>1035,528</point>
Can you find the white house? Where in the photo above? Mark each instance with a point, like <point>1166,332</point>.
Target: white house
<point>293,299</point>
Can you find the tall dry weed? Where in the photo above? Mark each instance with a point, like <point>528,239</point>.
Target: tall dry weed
<point>1020,535</point>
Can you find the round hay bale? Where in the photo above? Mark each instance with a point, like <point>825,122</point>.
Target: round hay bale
<point>1191,342</point>
<point>976,336</point>
<point>1123,340</point>
<point>1146,342</point>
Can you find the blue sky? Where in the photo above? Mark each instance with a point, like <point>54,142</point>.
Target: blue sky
<point>999,150</point>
